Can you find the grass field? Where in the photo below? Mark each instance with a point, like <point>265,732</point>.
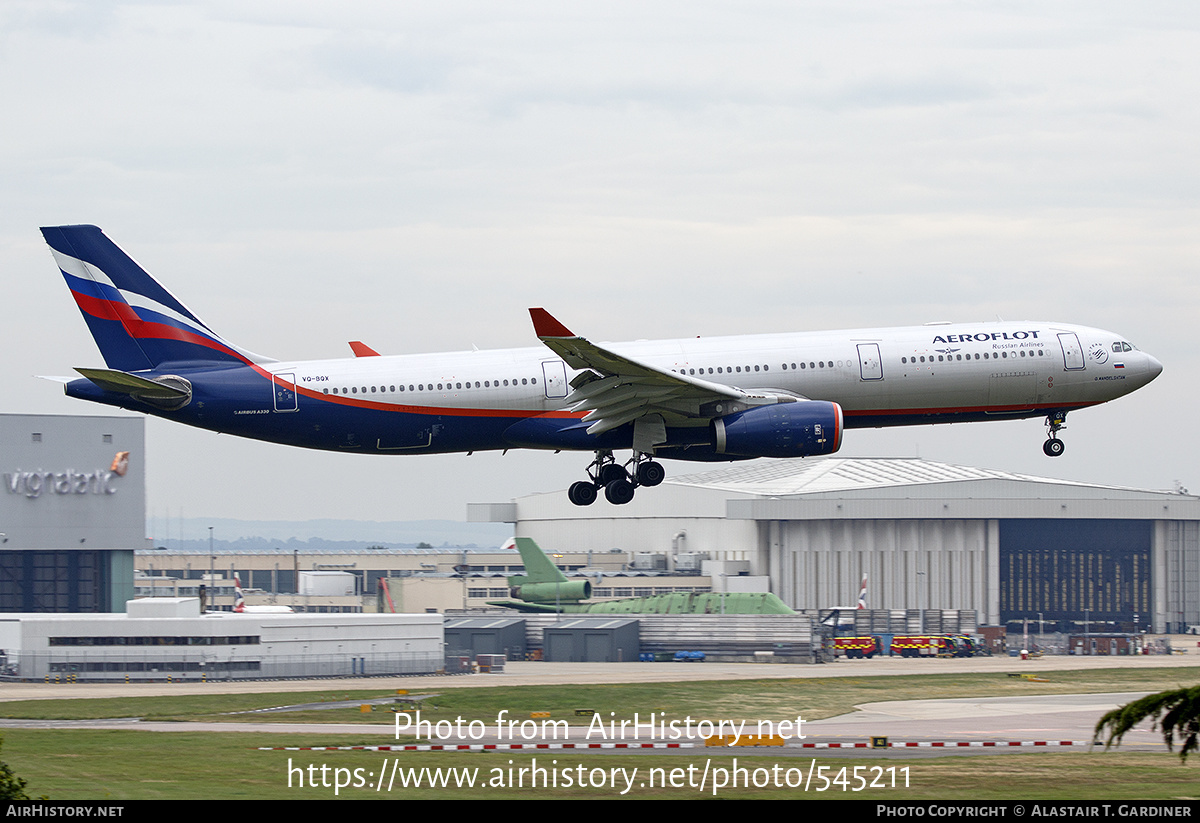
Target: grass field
<point>126,765</point>
<point>749,699</point>
<point>93,764</point>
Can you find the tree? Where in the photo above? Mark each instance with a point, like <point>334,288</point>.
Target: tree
<point>11,786</point>
<point>1174,712</point>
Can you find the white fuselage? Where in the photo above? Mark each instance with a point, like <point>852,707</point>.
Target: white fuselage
<point>878,376</point>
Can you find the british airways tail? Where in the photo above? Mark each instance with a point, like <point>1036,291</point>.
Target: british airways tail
<point>137,324</point>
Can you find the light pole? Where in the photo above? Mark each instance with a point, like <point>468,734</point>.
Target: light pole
<point>212,571</point>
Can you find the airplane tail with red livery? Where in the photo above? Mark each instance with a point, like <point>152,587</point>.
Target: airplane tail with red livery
<point>137,324</point>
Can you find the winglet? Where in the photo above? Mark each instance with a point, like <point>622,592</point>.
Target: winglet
<point>361,349</point>
<point>545,325</point>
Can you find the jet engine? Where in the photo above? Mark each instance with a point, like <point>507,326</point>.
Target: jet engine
<point>800,429</point>
<point>569,592</point>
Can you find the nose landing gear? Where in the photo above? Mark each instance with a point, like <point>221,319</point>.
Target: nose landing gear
<point>616,480</point>
<point>1053,447</point>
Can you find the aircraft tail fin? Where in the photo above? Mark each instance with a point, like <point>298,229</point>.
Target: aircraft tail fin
<point>239,601</point>
<point>539,568</point>
<point>862,593</point>
<point>136,323</point>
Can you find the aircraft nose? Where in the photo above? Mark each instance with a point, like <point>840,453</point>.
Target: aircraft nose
<point>1153,367</point>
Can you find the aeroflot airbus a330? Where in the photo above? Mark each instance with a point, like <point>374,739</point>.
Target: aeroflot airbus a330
<point>708,399</point>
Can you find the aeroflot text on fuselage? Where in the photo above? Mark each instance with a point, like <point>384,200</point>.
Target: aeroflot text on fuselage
<point>698,399</point>
<point>983,337</point>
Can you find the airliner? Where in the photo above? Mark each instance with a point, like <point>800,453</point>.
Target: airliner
<point>844,615</point>
<point>701,399</point>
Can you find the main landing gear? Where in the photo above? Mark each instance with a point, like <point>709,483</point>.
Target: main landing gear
<point>616,480</point>
<point>1053,447</point>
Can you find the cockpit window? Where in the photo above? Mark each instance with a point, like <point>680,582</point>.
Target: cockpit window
<point>1126,347</point>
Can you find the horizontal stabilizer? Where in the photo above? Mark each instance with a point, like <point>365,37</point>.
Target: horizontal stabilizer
<point>124,383</point>
<point>120,382</point>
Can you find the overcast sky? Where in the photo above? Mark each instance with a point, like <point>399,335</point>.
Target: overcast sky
<point>417,174</point>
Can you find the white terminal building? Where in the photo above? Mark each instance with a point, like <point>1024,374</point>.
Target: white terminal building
<point>167,637</point>
<point>927,535</point>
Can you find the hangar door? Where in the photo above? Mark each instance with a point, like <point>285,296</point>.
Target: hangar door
<point>1075,570</point>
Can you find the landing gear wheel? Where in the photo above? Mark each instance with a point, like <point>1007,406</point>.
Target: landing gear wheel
<point>582,493</point>
<point>611,472</point>
<point>650,473</point>
<point>619,492</point>
<point>1053,447</point>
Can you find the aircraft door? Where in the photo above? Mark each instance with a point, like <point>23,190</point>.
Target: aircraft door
<point>870,366</point>
<point>285,392</point>
<point>554,378</point>
<point>1072,351</point>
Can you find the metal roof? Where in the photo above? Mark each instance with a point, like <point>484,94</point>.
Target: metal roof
<point>849,474</point>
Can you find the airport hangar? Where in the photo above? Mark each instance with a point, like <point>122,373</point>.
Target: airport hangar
<point>927,535</point>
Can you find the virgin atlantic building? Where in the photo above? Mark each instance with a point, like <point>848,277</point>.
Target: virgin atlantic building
<point>72,512</point>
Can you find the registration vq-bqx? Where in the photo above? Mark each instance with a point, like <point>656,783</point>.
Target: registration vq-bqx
<point>702,399</point>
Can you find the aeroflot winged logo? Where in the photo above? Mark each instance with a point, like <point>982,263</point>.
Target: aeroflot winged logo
<point>34,484</point>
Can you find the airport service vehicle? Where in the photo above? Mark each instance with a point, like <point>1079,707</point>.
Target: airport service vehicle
<point>858,648</point>
<point>701,399</point>
<point>922,646</point>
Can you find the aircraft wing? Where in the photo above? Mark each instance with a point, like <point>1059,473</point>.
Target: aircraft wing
<point>622,390</point>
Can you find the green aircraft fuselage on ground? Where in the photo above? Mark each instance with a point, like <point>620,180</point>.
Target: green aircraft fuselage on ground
<point>544,588</point>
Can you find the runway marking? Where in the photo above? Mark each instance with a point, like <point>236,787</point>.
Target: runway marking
<point>475,747</point>
<point>484,747</point>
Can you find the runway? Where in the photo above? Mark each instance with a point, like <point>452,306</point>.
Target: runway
<point>950,723</point>
<point>941,727</point>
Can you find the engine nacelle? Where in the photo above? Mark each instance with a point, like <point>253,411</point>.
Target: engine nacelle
<point>799,429</point>
<point>569,592</point>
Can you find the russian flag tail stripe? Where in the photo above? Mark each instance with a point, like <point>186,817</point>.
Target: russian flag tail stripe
<point>136,323</point>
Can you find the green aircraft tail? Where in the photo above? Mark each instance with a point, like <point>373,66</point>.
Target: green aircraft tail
<point>539,568</point>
